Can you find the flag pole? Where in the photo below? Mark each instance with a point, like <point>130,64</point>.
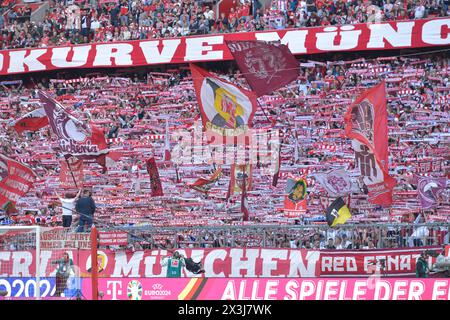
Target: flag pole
<point>264,112</point>
<point>71,173</point>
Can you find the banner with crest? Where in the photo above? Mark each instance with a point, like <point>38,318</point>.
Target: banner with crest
<point>225,107</point>
<point>266,66</point>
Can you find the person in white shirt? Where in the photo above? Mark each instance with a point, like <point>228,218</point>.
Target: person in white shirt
<point>209,14</point>
<point>68,207</point>
<point>95,24</point>
<point>420,12</point>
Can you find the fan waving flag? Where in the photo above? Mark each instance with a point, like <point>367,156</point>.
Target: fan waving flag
<point>205,184</point>
<point>15,180</point>
<point>225,107</point>
<point>32,121</point>
<point>266,66</point>
<point>75,137</point>
<point>366,124</point>
<point>337,213</point>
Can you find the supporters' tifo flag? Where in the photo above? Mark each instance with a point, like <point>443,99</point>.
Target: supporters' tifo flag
<point>32,121</point>
<point>238,174</point>
<point>167,155</point>
<point>205,184</point>
<point>266,66</point>
<point>337,213</point>
<point>71,169</point>
<point>366,124</point>
<point>244,202</point>
<point>295,198</point>
<point>15,180</point>
<point>225,107</point>
<point>75,137</point>
<point>429,190</point>
<point>336,183</point>
<point>155,181</point>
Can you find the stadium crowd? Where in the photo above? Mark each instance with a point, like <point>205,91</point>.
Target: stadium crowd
<point>133,110</point>
<point>85,21</point>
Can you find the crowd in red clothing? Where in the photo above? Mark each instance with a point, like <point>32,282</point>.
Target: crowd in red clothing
<point>103,21</point>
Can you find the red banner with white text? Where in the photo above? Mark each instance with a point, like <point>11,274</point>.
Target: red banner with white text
<point>358,37</point>
<point>228,262</point>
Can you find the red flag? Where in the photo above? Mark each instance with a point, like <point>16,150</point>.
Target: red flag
<point>32,121</point>
<point>155,182</point>
<point>225,107</point>
<point>366,124</point>
<point>71,169</point>
<point>266,66</point>
<point>205,184</point>
<point>15,180</point>
<point>75,137</point>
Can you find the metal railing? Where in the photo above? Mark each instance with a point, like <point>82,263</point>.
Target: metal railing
<point>300,236</point>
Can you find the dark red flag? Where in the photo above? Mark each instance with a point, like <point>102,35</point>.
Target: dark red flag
<point>266,66</point>
<point>366,124</point>
<point>15,180</point>
<point>75,137</point>
<point>155,182</point>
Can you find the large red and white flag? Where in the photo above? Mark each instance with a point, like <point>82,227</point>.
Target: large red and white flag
<point>266,66</point>
<point>366,125</point>
<point>15,180</point>
<point>225,107</point>
<point>75,137</point>
<point>31,121</point>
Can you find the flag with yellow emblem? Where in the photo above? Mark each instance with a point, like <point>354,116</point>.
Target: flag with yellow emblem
<point>337,213</point>
<point>225,107</point>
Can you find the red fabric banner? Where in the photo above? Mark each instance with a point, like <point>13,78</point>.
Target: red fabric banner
<point>366,124</point>
<point>32,121</point>
<point>155,181</point>
<point>267,67</point>
<point>15,180</point>
<point>70,170</point>
<point>357,37</point>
